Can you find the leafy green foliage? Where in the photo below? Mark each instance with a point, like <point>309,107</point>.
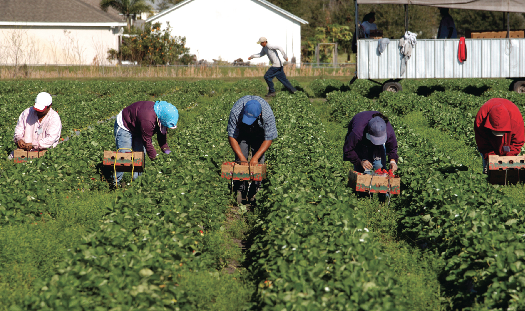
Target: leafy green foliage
<point>321,87</point>
<point>315,245</point>
<point>153,47</point>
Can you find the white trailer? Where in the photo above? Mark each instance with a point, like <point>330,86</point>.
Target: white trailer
<point>438,58</point>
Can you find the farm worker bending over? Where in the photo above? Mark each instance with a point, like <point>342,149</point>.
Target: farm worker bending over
<point>39,127</point>
<point>498,129</point>
<point>251,127</point>
<point>369,139</point>
<point>277,69</point>
<point>136,124</point>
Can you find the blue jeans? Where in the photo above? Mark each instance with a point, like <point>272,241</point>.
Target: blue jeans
<point>125,139</point>
<point>277,72</point>
<point>485,163</point>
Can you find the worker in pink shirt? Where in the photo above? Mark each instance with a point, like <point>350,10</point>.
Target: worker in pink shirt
<point>39,127</point>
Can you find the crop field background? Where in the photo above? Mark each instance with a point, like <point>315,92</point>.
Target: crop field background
<point>171,240</point>
<point>165,72</point>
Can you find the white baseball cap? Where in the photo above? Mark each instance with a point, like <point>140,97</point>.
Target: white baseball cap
<point>42,101</point>
<point>261,40</point>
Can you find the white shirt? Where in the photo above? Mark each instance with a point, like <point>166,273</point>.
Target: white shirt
<point>367,27</point>
<point>271,51</point>
<point>42,135</point>
<point>120,122</point>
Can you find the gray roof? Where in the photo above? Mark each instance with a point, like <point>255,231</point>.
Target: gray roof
<point>111,11</point>
<point>53,11</point>
<point>263,2</point>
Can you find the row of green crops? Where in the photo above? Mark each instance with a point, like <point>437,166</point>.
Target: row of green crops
<point>311,249</point>
<point>153,233</point>
<point>311,245</point>
<point>446,207</point>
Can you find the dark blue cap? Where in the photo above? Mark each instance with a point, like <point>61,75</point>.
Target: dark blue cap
<point>377,130</point>
<point>252,110</point>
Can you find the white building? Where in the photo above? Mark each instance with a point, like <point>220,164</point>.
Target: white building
<point>229,29</point>
<point>56,32</point>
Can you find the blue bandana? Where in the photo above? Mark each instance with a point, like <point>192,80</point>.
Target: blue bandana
<point>167,114</point>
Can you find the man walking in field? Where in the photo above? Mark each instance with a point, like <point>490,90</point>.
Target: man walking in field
<point>276,70</point>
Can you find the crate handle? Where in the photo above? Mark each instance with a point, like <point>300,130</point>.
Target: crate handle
<point>115,165</point>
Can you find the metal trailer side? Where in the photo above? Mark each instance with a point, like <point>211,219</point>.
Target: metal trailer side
<point>438,58</point>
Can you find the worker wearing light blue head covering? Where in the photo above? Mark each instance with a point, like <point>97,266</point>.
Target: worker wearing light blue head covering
<point>136,124</point>
<point>167,114</point>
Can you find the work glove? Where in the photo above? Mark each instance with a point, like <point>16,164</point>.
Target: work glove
<point>167,151</point>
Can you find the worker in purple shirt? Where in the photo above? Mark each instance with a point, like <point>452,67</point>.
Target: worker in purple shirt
<point>136,124</point>
<point>369,140</point>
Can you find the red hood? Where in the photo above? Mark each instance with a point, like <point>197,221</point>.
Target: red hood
<point>498,119</point>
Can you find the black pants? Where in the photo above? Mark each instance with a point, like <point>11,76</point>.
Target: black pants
<point>244,186</point>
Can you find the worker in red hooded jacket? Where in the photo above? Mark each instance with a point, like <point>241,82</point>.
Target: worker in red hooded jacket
<point>499,129</point>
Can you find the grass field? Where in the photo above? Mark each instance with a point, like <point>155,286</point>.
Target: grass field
<point>174,239</point>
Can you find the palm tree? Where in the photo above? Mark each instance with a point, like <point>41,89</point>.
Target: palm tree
<point>126,7</point>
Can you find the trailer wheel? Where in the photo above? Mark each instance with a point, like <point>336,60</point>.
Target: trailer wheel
<point>519,87</point>
<point>392,87</point>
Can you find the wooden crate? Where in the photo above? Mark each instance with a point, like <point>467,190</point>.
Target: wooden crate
<point>505,177</point>
<point>235,171</point>
<point>504,170</point>
<point>32,154</point>
<point>498,163</point>
<point>500,34</point>
<point>373,183</point>
<point>258,172</point>
<point>20,156</point>
<point>227,170</point>
<point>124,161</point>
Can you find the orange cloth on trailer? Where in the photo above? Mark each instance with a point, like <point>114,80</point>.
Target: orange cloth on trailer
<point>502,115</point>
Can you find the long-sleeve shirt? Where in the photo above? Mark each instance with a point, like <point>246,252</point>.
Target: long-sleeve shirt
<point>271,51</point>
<point>445,25</point>
<point>357,147</point>
<point>266,121</point>
<point>367,27</point>
<point>42,135</point>
<point>140,119</point>
<point>487,142</point>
